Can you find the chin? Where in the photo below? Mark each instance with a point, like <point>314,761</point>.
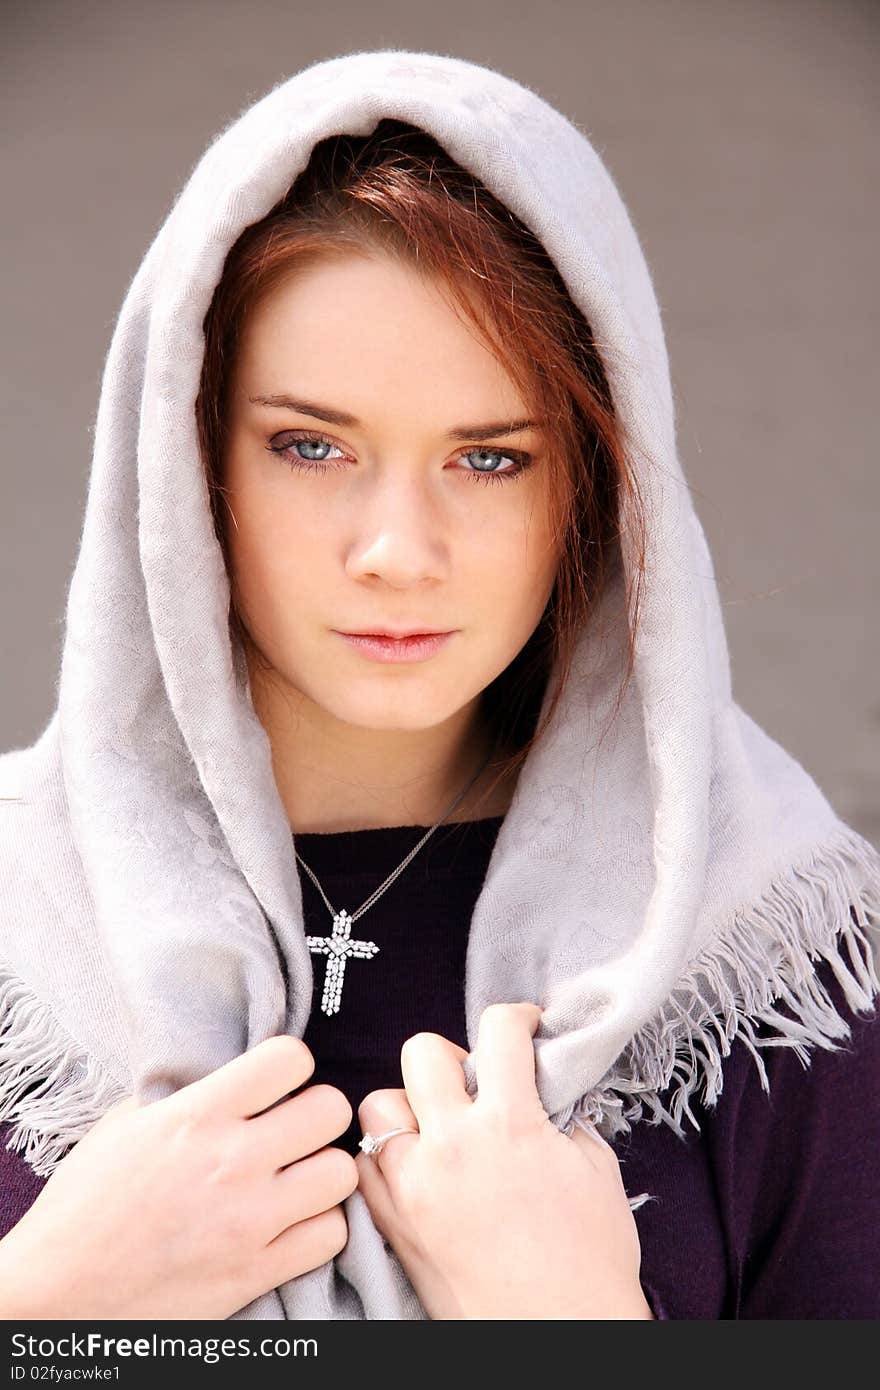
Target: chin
<point>388,718</point>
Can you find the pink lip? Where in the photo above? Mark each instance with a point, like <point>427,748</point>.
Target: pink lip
<point>418,647</point>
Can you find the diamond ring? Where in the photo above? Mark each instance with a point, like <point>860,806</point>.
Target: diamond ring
<point>373,1144</point>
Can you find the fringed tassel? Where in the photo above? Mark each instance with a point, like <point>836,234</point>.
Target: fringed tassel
<point>827,908</point>
<point>49,1090</point>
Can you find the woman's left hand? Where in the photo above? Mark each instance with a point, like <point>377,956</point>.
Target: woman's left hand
<point>492,1211</point>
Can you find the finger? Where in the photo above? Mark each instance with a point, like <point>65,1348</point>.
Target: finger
<point>433,1076</point>
<point>254,1080</point>
<point>504,1058</point>
<point>303,1124</point>
<point>376,1193</point>
<point>304,1246</point>
<point>380,1111</point>
<point>316,1183</point>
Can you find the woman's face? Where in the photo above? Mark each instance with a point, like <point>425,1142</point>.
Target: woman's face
<point>406,510</point>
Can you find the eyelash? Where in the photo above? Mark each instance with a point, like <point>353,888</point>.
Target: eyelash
<point>522,460</point>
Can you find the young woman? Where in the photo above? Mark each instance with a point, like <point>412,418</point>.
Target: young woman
<point>398,903</point>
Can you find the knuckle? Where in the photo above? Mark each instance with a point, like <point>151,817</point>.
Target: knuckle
<point>332,1103</point>
<point>336,1232</point>
<point>382,1100</point>
<point>288,1046</point>
<point>419,1186</point>
<point>492,1019</point>
<point>343,1171</point>
<point>227,1166</point>
<point>232,1216</point>
<point>416,1041</point>
<point>498,1010</point>
<point>447,1150</point>
<point>185,1111</point>
<point>505,1122</point>
<point>382,1094</point>
<point>504,1011</point>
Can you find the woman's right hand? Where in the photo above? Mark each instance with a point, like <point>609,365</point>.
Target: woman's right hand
<point>192,1206</point>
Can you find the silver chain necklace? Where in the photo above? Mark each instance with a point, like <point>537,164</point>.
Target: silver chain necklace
<point>339,945</point>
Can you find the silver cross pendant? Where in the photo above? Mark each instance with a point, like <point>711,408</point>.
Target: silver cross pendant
<point>338,948</point>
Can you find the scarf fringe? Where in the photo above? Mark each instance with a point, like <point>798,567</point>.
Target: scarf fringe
<point>50,1091</point>
<point>825,908</point>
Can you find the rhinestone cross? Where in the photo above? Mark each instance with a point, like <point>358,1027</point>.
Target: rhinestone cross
<point>337,948</point>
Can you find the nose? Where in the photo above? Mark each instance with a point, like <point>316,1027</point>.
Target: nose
<point>399,533</point>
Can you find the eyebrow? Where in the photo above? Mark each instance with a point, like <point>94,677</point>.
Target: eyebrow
<point>341,417</point>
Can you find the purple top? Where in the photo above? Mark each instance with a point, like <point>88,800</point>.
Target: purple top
<point>771,1210</point>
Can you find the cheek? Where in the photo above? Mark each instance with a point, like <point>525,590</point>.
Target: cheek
<point>508,586</point>
<point>272,552</point>
<point>517,560</point>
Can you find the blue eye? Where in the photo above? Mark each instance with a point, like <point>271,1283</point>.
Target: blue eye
<point>284,446</point>
<point>308,464</point>
<point>498,475</point>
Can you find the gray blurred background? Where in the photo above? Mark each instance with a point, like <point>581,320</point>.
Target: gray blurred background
<point>743,137</point>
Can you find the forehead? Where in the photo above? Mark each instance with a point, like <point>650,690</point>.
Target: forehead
<point>366,324</point>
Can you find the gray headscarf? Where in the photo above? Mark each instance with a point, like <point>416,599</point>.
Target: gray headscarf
<point>660,892</point>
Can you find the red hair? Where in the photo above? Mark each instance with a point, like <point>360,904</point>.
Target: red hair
<point>398,192</point>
